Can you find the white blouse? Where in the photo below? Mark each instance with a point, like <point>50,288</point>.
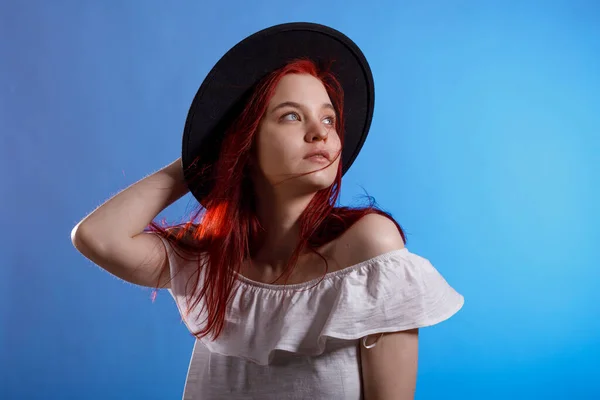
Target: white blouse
<point>302,341</point>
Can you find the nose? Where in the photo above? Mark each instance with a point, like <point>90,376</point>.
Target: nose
<point>315,131</point>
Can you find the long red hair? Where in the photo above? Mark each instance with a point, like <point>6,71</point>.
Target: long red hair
<point>226,230</point>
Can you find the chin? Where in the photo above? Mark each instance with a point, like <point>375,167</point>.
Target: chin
<point>318,180</point>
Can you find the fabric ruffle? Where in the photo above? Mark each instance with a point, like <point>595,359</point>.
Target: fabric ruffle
<point>392,292</point>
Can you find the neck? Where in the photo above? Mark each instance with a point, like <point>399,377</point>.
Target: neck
<point>279,216</point>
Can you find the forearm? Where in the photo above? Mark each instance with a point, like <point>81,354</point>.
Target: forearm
<point>128,213</point>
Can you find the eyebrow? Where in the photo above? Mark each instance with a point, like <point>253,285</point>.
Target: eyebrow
<point>296,105</point>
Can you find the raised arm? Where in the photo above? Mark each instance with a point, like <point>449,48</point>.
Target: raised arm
<point>113,236</point>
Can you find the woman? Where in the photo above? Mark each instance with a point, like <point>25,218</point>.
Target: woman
<point>289,296</point>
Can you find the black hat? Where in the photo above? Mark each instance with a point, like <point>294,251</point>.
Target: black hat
<point>226,87</point>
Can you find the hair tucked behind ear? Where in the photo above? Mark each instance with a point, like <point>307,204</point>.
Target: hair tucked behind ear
<point>227,231</point>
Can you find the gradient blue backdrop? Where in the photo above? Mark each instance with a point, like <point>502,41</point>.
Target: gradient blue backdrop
<point>484,146</point>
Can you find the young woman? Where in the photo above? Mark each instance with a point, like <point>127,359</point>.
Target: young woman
<point>289,296</point>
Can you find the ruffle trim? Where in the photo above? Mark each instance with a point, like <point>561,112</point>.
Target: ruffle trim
<point>393,292</point>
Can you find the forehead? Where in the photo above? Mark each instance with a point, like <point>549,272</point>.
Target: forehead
<point>301,88</point>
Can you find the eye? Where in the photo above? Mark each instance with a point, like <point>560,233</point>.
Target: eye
<point>329,120</point>
<point>291,117</point>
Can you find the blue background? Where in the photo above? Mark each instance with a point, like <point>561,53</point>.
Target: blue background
<point>484,146</point>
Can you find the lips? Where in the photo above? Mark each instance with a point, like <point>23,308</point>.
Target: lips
<point>321,153</point>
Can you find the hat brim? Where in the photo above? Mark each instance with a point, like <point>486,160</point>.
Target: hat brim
<point>228,84</point>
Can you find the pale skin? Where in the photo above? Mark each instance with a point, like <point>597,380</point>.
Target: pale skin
<point>299,120</point>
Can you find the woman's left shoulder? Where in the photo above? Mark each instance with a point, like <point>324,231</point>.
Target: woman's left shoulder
<point>371,236</point>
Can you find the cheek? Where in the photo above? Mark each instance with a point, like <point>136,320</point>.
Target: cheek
<point>335,143</point>
<point>337,140</point>
<point>273,154</point>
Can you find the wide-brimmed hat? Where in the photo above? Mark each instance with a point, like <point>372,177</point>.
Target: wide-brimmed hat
<point>227,86</point>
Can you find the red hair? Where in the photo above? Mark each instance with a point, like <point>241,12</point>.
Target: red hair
<point>226,231</point>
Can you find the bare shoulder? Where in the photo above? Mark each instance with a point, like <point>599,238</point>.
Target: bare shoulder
<point>369,237</point>
<point>183,235</point>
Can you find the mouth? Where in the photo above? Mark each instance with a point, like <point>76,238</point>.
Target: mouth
<point>320,156</point>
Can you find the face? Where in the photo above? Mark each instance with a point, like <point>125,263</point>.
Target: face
<point>300,120</point>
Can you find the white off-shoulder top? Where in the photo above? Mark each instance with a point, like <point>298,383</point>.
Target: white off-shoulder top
<point>302,342</point>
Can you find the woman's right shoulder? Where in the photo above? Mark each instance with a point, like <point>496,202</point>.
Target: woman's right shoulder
<point>183,249</point>
<point>183,235</point>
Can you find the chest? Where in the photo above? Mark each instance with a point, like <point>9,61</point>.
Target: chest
<point>309,267</point>
<point>334,374</point>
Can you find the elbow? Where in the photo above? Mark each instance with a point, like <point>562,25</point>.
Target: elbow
<point>80,236</point>
<point>76,236</point>
<point>85,240</point>
<point>79,242</point>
